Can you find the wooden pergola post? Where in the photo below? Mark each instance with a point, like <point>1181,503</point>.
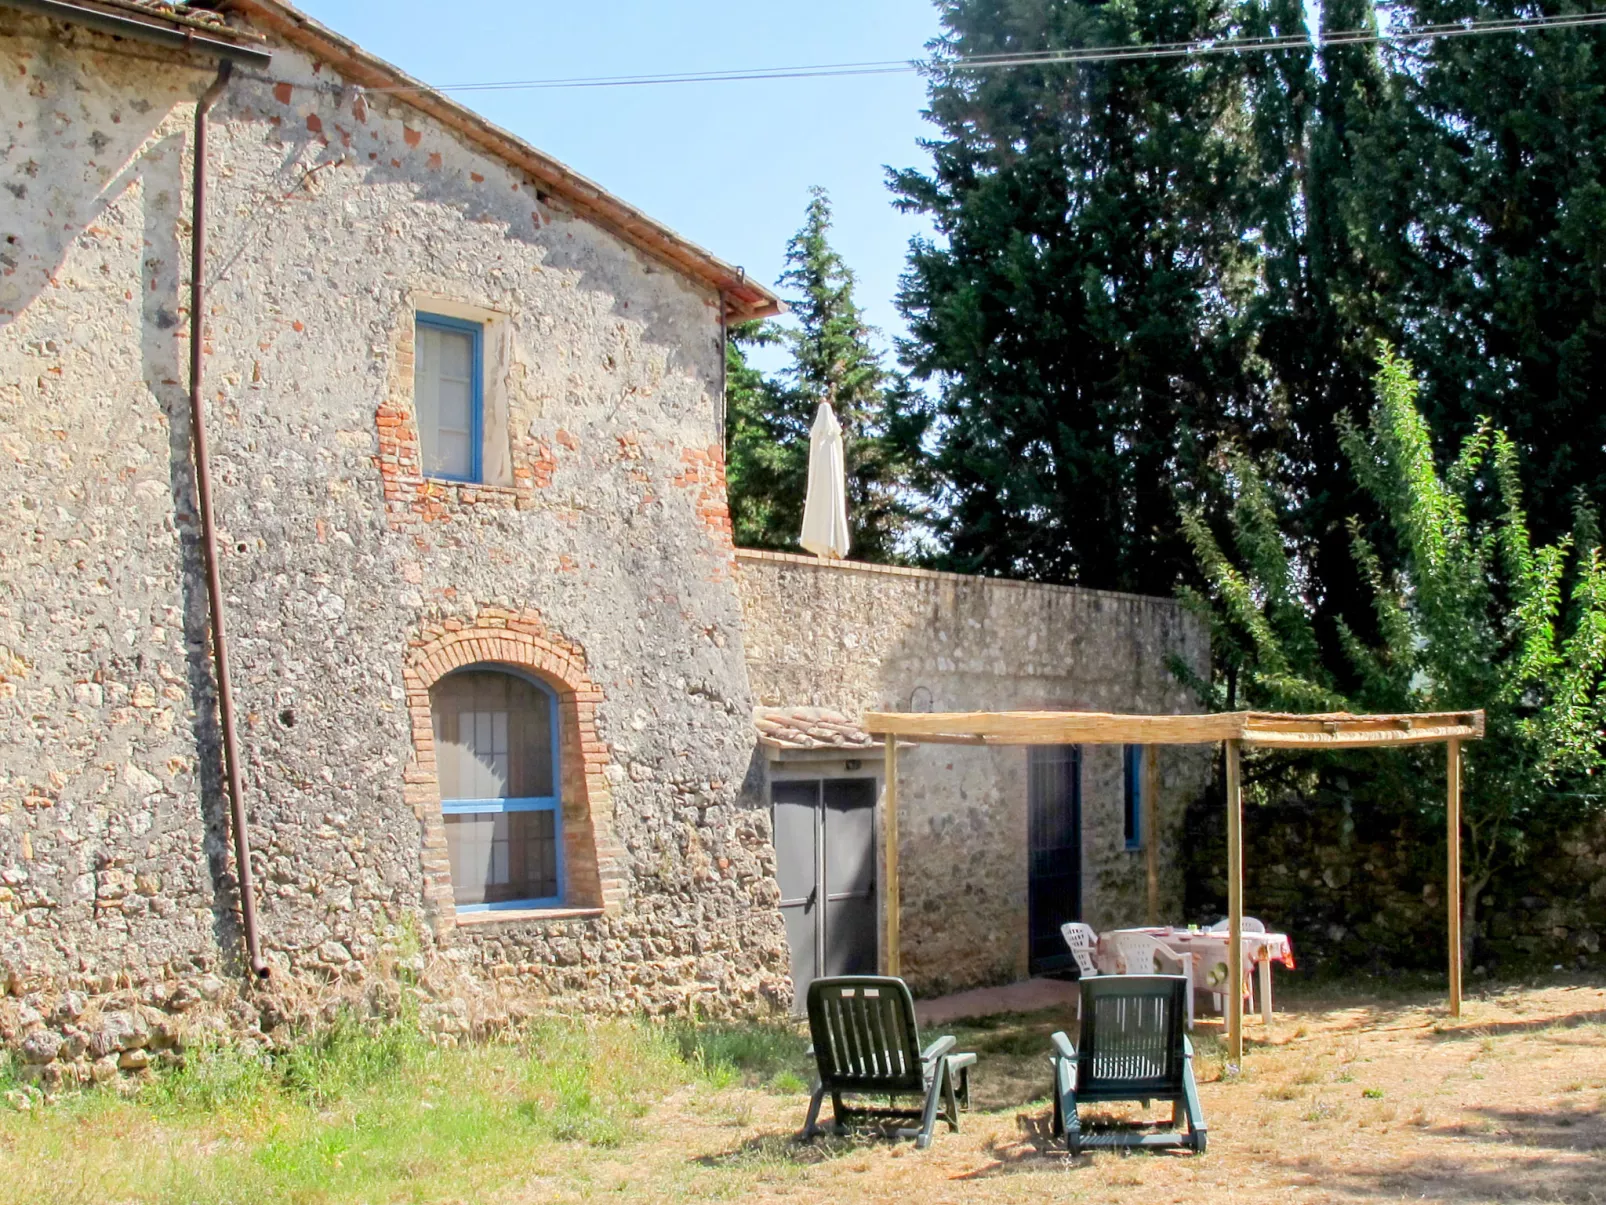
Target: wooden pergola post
<point>1233,989</point>
<point>1151,827</point>
<point>889,838</point>
<point>1453,819</point>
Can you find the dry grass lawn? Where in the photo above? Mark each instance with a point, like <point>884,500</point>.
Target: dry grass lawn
<point>1350,1099</point>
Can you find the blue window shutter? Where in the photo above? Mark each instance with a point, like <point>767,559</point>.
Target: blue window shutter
<point>1132,763</point>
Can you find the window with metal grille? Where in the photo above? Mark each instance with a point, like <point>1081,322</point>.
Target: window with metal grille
<point>496,758</point>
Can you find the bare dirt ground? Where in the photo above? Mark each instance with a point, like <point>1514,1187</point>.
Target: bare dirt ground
<point>1346,1100</point>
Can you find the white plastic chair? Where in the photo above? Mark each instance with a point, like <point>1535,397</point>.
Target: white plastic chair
<point>1083,943</point>
<point>1144,954</point>
<point>1250,925</point>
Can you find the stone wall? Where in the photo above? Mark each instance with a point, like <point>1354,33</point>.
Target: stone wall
<point>1357,877</point>
<point>603,565</point>
<point>856,637</point>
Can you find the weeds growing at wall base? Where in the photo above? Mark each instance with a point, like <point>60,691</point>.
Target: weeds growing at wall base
<point>360,1110</point>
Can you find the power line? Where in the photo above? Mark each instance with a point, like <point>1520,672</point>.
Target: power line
<point>1096,54</point>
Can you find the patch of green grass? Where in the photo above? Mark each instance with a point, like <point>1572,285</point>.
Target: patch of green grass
<point>752,1053</point>
<point>351,1055</point>
<point>587,1082</point>
<point>370,1111</point>
<point>1372,1093</point>
<point>212,1078</point>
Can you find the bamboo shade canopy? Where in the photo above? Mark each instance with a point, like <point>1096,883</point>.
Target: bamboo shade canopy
<point>1338,730</point>
<point>1233,729</point>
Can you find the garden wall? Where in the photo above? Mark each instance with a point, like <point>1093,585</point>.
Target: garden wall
<point>1361,886</point>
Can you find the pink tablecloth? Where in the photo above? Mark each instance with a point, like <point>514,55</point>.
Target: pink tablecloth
<point>1209,951</point>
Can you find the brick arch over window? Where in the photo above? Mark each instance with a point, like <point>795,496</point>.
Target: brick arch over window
<point>516,640</point>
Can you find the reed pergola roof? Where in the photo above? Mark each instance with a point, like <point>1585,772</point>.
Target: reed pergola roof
<point>1270,729</point>
<point>1233,729</point>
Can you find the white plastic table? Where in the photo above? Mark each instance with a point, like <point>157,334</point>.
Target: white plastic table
<point>1208,949</point>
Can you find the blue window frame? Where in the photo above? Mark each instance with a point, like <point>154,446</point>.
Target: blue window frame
<point>1132,760</point>
<point>449,396</point>
<point>497,761</point>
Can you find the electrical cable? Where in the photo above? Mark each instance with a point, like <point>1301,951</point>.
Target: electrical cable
<point>1091,54</point>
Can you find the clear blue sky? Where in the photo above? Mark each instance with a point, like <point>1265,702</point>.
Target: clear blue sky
<point>727,165</point>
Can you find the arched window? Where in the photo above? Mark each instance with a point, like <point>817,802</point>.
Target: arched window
<point>496,755</point>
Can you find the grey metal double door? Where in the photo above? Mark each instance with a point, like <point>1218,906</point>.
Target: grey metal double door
<point>825,864</point>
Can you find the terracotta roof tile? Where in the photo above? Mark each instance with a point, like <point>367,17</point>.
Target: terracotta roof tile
<point>174,10</point>
<point>804,728</point>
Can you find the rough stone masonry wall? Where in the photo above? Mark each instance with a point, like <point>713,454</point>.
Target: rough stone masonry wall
<point>608,552</point>
<point>1356,876</point>
<point>857,637</point>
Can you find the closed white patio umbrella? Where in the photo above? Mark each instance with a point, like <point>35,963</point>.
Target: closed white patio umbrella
<point>825,508</point>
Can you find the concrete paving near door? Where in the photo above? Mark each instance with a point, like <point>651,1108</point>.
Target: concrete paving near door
<point>1029,995</point>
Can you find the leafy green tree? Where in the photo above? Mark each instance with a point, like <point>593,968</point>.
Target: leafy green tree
<point>832,360</point>
<point>1475,616</point>
<point>1077,317</point>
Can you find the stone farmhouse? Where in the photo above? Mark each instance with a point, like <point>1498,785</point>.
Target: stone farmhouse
<point>501,686</point>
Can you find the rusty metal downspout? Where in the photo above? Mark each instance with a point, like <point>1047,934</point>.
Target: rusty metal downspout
<point>203,491</point>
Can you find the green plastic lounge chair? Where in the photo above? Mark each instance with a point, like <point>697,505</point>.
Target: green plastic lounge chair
<point>1132,1047</point>
<point>866,1043</point>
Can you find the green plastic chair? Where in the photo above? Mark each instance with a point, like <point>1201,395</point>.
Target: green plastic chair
<point>866,1043</point>
<point>1132,1047</point>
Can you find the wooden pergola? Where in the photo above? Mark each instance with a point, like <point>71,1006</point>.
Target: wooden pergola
<point>1233,729</point>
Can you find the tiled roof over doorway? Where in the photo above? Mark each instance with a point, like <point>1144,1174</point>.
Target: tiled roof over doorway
<point>810,728</point>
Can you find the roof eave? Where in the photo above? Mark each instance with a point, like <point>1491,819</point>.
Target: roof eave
<point>130,21</point>
<point>744,299</point>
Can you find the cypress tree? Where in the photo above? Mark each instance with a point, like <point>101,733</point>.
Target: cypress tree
<point>1077,316</point>
<point>1318,311</point>
<point>758,458</point>
<point>1489,180</point>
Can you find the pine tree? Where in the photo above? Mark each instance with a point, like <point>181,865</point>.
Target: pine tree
<point>1077,315</point>
<point>832,360</point>
<point>759,459</point>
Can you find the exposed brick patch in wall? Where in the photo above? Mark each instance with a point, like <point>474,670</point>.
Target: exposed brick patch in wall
<point>537,467</point>
<point>704,471</point>
<point>518,640</point>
